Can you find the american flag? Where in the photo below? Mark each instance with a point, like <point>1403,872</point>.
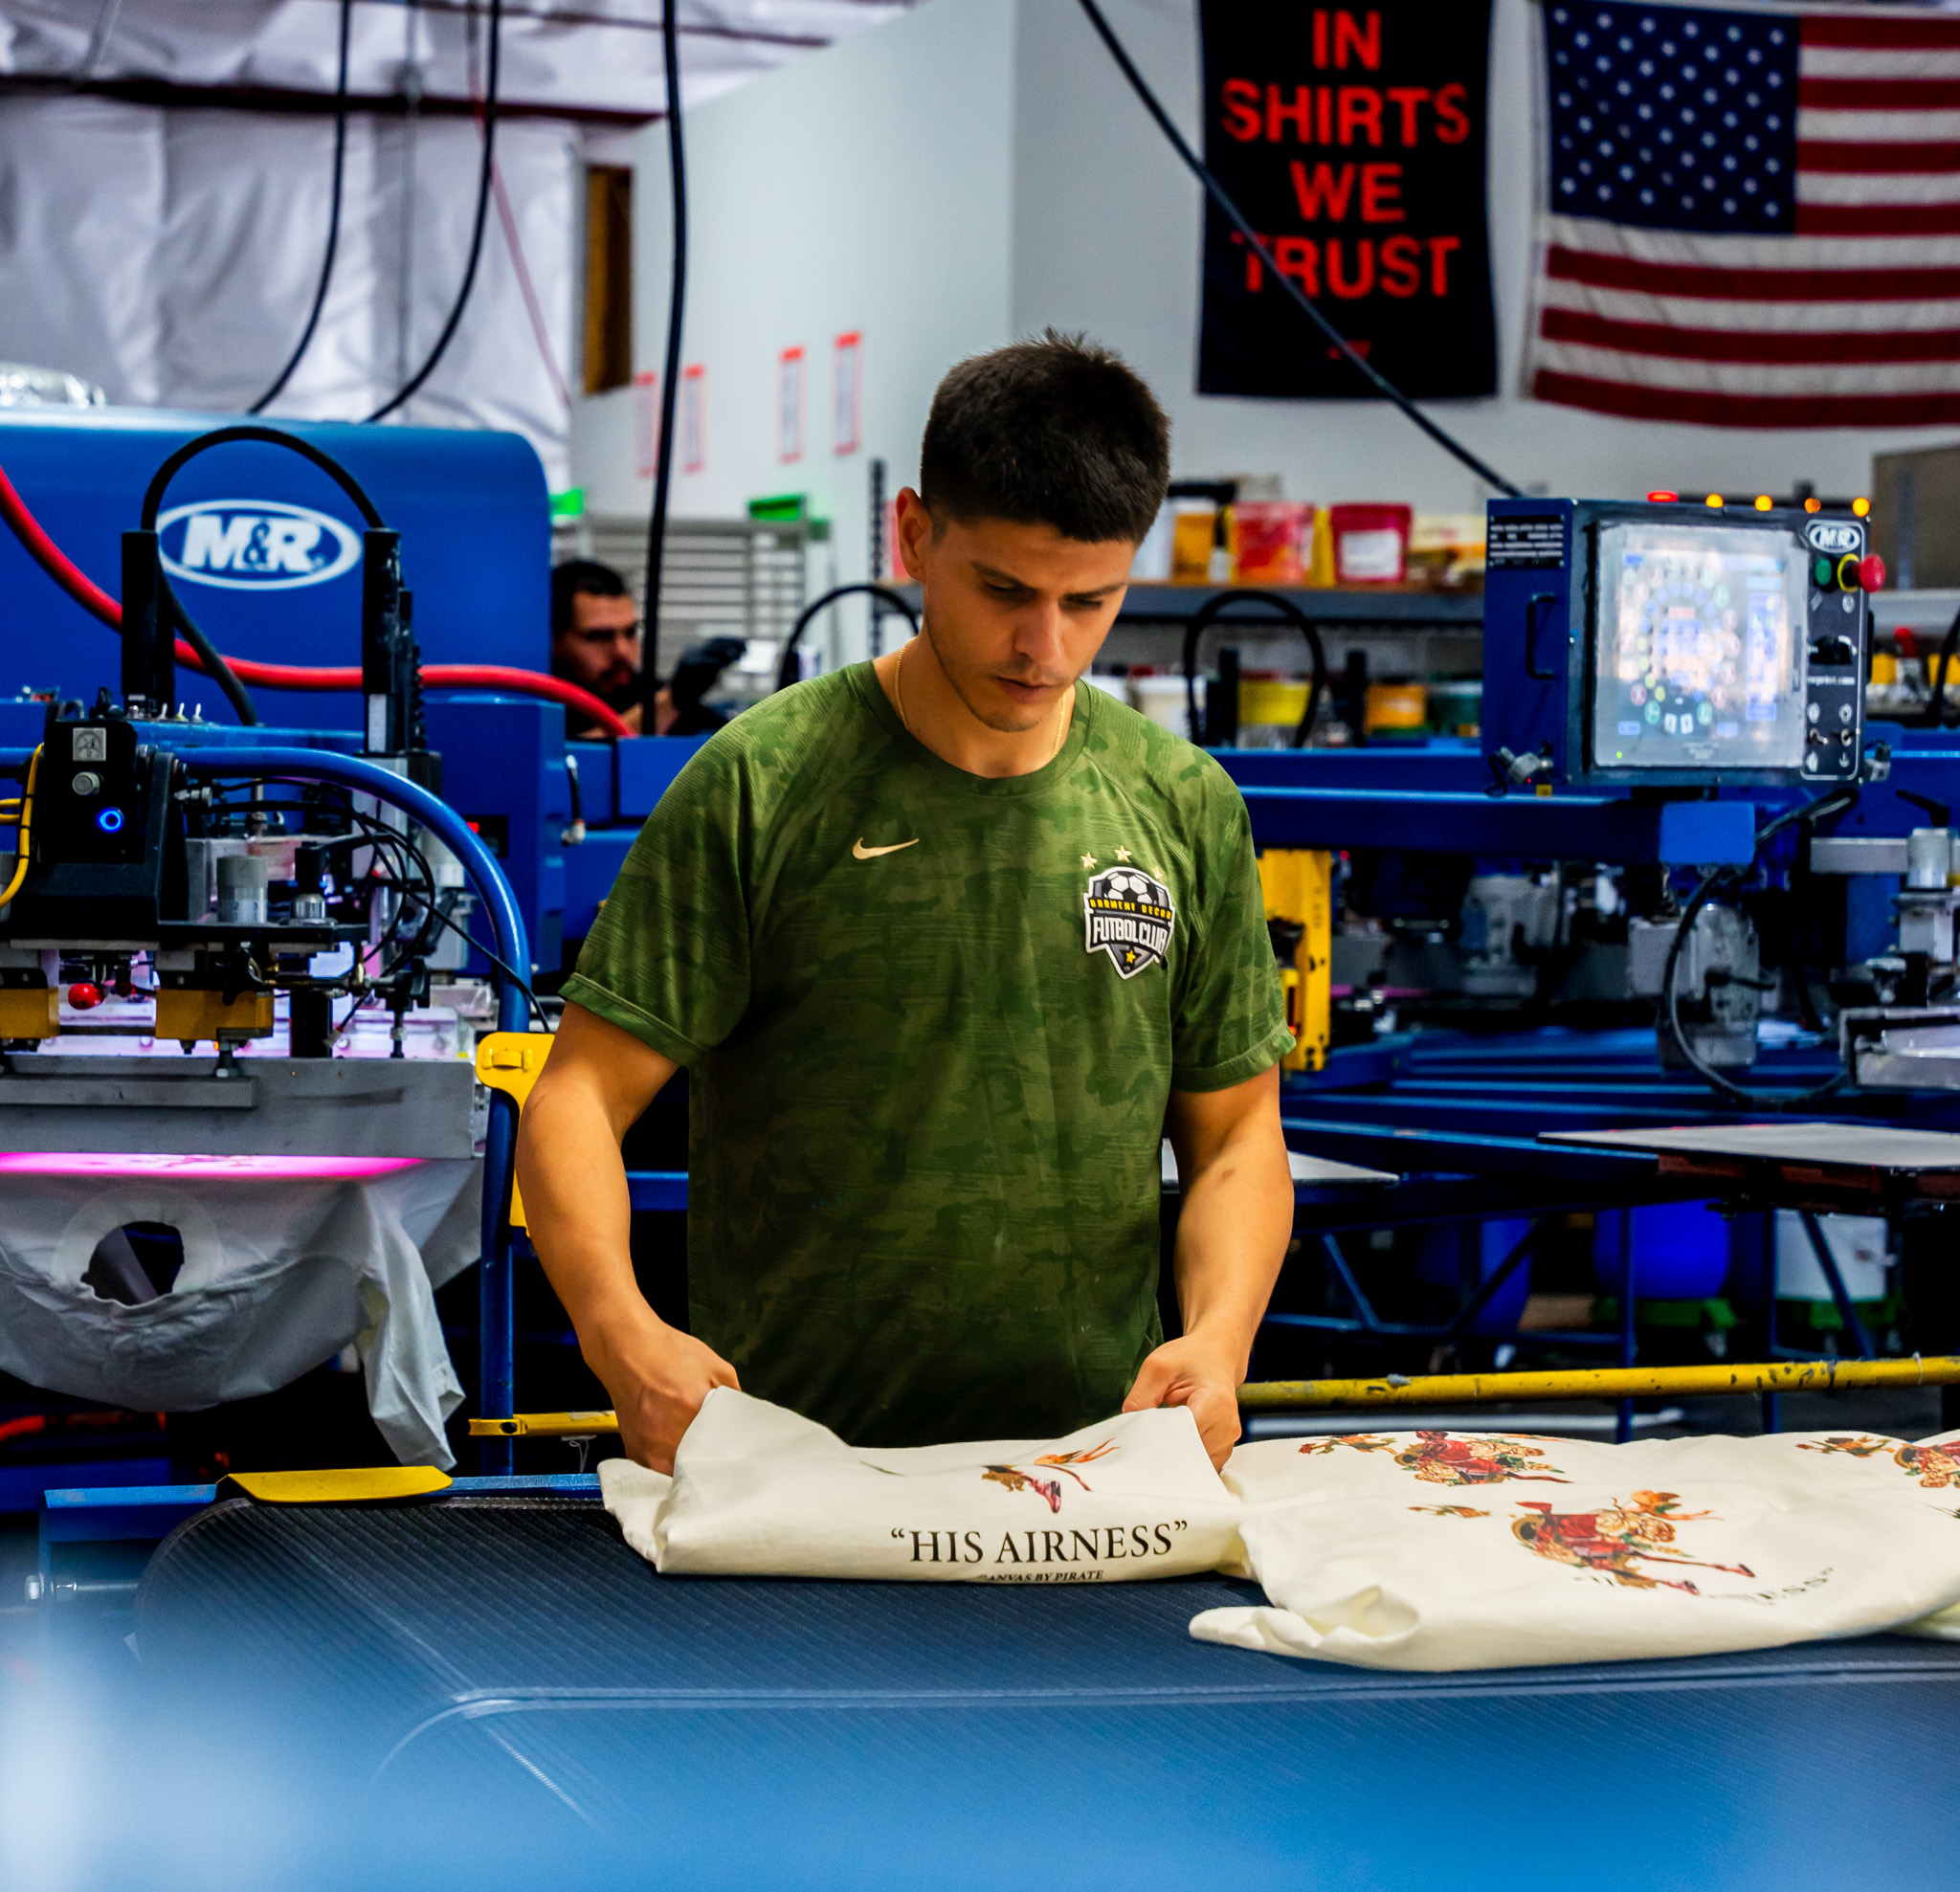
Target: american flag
<point>1753,219</point>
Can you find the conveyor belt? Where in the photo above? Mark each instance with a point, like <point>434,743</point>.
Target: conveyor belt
<point>508,1668</point>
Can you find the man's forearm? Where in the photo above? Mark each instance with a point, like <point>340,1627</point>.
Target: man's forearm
<point>577,1204</point>
<point>1233,1229</point>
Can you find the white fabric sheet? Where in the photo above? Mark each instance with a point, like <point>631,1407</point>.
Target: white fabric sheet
<point>171,254</point>
<point>1424,1551</point>
<point>278,1276</point>
<point>1436,1551</point>
<point>757,1491</point>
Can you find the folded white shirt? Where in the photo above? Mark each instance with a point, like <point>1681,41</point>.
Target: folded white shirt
<point>759,1491</point>
<point>1436,1551</point>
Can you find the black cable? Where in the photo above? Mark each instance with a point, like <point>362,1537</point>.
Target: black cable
<point>215,667</point>
<point>271,436</point>
<point>670,372</point>
<point>483,187</point>
<point>786,671</point>
<point>1835,802</point>
<point>1934,715</point>
<point>1214,607</point>
<point>333,218</point>
<point>504,966</point>
<point>1216,192</point>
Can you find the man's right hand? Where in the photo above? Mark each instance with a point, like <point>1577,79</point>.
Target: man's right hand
<point>658,1377</point>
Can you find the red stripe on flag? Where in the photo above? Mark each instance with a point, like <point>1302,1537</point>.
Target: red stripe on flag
<point>1877,220</point>
<point>1753,345</point>
<point>1846,159</point>
<point>1750,285</point>
<point>1617,397</point>
<point>1854,31</point>
<point>1877,95</point>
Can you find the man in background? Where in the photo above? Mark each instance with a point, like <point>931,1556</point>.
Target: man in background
<point>596,644</point>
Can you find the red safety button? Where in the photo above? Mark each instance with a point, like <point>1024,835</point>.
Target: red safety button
<point>1871,572</point>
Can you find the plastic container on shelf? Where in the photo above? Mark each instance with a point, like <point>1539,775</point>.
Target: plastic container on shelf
<point>1396,708</point>
<point>1456,707</point>
<point>1270,541</point>
<point>1446,550</point>
<point>1370,543</point>
<point>1193,536</point>
<point>1269,711</point>
<point>1163,699</point>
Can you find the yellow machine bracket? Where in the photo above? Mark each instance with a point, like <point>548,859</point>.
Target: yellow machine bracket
<point>1297,884</point>
<point>511,1061</point>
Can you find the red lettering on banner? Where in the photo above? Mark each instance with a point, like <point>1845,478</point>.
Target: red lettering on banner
<point>1301,112</point>
<point>1440,248</point>
<point>1364,266</point>
<point>1381,192</point>
<point>1359,108</point>
<point>1364,41</point>
<point>1320,44</point>
<point>1452,121</point>
<point>1324,192</point>
<point>1406,97</point>
<point>1324,123</point>
<point>1242,110</point>
<point>1401,266</point>
<point>1299,257</point>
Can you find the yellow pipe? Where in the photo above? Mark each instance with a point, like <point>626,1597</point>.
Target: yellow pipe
<point>25,821</point>
<point>1454,1390</point>
<point>1598,1383</point>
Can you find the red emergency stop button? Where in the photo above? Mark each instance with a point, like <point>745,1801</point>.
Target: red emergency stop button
<point>1871,572</point>
<point>84,997</point>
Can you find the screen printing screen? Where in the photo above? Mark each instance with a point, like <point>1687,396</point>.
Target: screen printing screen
<point>1699,654</point>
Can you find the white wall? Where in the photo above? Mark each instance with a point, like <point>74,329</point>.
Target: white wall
<point>864,188</point>
<point>978,170</point>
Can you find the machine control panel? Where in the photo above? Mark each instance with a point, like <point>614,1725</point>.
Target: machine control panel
<point>88,798</point>
<point>1661,644</point>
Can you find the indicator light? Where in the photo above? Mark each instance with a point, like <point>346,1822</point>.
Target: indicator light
<point>1763,502</point>
<point>110,820</point>
<point>1814,505</point>
<point>1663,498</point>
<point>1860,507</point>
<point>1823,573</point>
<point>1715,500</point>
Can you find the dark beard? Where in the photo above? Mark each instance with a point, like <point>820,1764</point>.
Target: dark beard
<point>618,691</point>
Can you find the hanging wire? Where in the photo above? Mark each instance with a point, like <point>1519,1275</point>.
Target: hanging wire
<point>670,373</point>
<point>333,218</point>
<point>414,382</point>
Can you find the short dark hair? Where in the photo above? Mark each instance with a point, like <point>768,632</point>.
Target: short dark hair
<point>1056,432</point>
<point>581,577</point>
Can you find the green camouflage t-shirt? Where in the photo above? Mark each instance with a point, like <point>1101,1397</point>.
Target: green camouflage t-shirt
<point>933,1021</point>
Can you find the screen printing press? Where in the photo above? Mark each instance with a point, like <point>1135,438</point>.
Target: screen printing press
<point>485,1684</point>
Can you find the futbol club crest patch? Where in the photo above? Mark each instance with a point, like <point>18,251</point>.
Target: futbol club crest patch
<point>1129,915</point>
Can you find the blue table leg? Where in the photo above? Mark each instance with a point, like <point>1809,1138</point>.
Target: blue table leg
<point>1623,1427</point>
<point>496,1306</point>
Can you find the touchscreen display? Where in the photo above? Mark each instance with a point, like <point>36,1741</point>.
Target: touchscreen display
<point>1699,662</point>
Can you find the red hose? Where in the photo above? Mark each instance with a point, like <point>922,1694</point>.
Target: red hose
<point>92,598</point>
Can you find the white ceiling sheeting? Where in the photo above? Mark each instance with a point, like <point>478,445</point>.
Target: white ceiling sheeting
<point>163,204</point>
<point>574,58</point>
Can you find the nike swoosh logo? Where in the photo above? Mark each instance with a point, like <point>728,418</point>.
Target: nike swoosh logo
<point>860,852</point>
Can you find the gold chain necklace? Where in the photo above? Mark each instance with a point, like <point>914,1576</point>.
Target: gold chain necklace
<point>898,693</point>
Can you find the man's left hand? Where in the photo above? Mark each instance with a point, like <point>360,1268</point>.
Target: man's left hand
<point>1195,1372</point>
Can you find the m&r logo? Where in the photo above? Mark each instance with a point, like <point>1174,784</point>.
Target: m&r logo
<point>255,545</point>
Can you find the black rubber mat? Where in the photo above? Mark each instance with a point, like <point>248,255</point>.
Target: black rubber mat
<point>510,1660</point>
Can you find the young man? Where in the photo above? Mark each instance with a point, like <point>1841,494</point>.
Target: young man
<point>947,942</point>
<point>595,642</point>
